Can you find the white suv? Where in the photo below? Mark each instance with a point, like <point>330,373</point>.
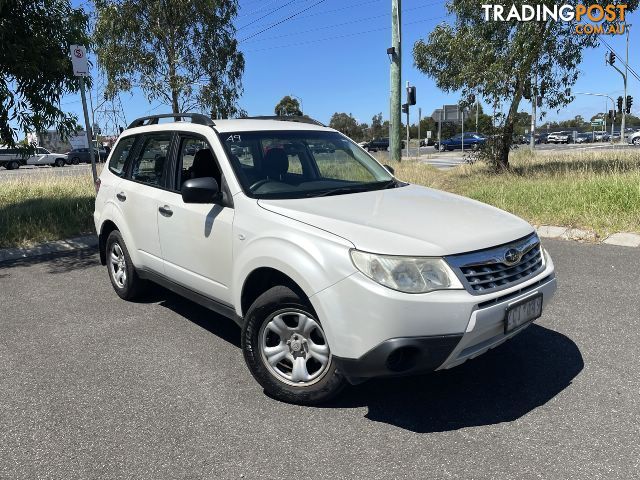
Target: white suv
<point>334,270</point>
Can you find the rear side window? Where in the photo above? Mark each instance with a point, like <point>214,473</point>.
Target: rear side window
<point>148,167</point>
<point>119,157</point>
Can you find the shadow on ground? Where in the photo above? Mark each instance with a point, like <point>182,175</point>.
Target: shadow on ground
<point>56,262</point>
<point>500,386</point>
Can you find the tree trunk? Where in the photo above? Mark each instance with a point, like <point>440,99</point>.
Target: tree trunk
<point>502,157</point>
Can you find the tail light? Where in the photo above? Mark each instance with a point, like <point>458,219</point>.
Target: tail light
<point>97,185</point>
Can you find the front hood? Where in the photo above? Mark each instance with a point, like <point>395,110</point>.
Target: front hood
<point>409,220</point>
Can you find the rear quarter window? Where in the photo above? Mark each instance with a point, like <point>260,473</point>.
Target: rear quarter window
<point>120,155</point>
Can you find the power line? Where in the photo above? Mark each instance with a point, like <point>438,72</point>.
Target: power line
<point>633,72</point>
<point>384,15</point>
<point>266,15</point>
<point>340,36</point>
<point>283,20</point>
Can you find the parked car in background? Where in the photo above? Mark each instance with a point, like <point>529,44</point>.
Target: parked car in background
<point>12,158</point>
<point>601,136</point>
<point>427,142</point>
<point>81,155</point>
<point>543,138</point>
<point>526,139</point>
<point>560,137</point>
<point>616,135</point>
<point>634,138</point>
<point>472,141</point>
<point>584,138</point>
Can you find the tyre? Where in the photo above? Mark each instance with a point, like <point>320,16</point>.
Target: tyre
<point>59,162</point>
<point>286,350</point>
<point>122,273</point>
<point>13,165</point>
<point>636,141</point>
<point>75,161</point>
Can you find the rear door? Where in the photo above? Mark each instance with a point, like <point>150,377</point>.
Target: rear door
<point>196,239</point>
<point>139,196</point>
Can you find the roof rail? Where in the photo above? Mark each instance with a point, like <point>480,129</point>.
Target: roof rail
<point>289,118</point>
<point>198,118</point>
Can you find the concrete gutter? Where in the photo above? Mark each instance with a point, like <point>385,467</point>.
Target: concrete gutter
<point>59,246</point>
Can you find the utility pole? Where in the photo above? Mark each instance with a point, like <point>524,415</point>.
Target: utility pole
<point>408,119</point>
<point>477,108</point>
<point>624,96</point>
<point>419,120</point>
<point>395,117</point>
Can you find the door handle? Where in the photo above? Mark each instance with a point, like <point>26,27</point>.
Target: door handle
<point>121,196</point>
<point>166,211</point>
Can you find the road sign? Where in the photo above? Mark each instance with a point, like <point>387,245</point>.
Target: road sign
<point>451,113</point>
<point>597,121</point>
<point>435,116</point>
<point>79,61</point>
<point>596,124</point>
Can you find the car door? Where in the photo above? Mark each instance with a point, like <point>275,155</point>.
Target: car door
<point>196,239</point>
<point>139,195</point>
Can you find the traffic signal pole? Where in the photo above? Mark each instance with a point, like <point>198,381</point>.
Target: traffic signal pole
<point>395,117</point>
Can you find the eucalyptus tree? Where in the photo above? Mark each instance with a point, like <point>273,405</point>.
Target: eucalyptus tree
<point>182,53</point>
<point>288,106</point>
<point>35,66</point>
<point>504,61</point>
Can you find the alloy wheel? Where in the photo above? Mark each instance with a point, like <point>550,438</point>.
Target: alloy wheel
<point>118,265</point>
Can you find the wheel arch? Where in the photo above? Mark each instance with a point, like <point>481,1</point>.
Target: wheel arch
<point>107,227</point>
<point>262,279</point>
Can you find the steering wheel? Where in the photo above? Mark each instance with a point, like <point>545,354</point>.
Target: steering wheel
<point>259,183</point>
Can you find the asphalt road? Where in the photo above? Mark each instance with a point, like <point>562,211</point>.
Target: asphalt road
<point>95,387</point>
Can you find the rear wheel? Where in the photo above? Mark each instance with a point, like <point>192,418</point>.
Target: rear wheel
<point>636,141</point>
<point>59,162</point>
<point>13,165</point>
<point>75,161</point>
<point>286,349</point>
<point>124,278</point>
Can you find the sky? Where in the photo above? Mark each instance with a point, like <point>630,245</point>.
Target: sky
<point>333,57</point>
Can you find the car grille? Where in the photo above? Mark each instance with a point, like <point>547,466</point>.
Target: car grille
<point>500,267</point>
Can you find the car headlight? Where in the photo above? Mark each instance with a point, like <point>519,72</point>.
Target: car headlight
<point>406,274</point>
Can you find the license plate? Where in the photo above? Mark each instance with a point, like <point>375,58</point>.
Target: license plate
<point>522,312</point>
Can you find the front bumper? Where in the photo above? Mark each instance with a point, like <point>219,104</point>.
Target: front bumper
<point>374,331</point>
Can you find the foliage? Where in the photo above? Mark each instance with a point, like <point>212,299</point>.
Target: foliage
<point>347,124</point>
<point>182,53</point>
<point>35,67</point>
<point>497,60</point>
<point>377,129</point>
<point>288,106</point>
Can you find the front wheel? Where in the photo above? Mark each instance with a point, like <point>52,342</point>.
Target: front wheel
<point>75,161</point>
<point>59,162</point>
<point>286,349</point>
<point>636,141</point>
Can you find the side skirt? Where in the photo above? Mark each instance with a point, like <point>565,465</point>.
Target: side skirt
<point>213,305</point>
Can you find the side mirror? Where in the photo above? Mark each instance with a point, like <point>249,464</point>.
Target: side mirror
<point>200,190</point>
<point>389,169</point>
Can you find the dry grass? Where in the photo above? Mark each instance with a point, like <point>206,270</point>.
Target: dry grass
<point>596,190</point>
<point>38,208</point>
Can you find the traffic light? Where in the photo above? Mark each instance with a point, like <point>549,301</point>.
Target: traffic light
<point>471,99</point>
<point>411,95</point>
<point>612,58</point>
<point>629,103</point>
<point>405,108</point>
<point>612,115</point>
<point>526,90</point>
<point>539,101</point>
<point>619,104</point>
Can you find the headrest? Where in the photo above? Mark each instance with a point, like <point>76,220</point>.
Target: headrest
<point>276,162</point>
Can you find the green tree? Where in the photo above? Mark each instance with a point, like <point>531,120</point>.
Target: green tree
<point>496,60</point>
<point>35,66</point>
<point>347,124</point>
<point>377,129</point>
<point>182,53</point>
<point>288,106</point>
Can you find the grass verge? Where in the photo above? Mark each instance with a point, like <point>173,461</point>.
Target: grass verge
<point>594,190</point>
<point>39,208</point>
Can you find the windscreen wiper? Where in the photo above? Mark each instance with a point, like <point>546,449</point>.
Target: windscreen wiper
<point>354,189</point>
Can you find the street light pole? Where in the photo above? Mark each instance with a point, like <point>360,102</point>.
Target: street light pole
<point>613,105</point>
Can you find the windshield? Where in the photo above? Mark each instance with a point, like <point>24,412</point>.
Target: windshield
<point>296,164</point>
